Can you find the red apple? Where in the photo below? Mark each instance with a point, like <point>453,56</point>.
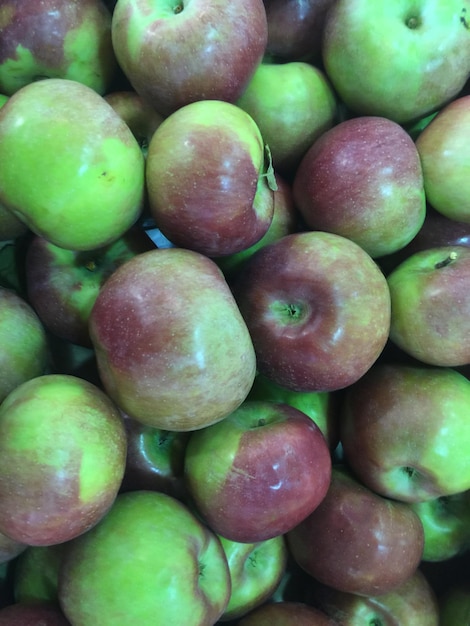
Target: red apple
<point>32,614</point>
<point>318,310</point>
<point>287,614</point>
<point>259,472</point>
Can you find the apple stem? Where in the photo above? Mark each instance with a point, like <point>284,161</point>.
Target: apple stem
<point>452,256</point>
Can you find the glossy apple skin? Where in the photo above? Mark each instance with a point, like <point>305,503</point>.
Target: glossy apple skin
<point>49,145</point>
<point>410,76</point>
<point>259,472</point>
<point>318,310</point>
<point>56,39</point>
<point>62,285</point>
<point>356,540</point>
<point>35,614</point>
<point>63,452</point>
<point>445,156</point>
<point>430,299</point>
<point>405,433</point>
<point>203,174</point>
<point>362,179</point>
<point>175,567</point>
<point>291,118</point>
<point>211,64</point>
<point>24,351</point>
<point>287,613</point>
<point>256,570</point>
<point>413,603</point>
<point>171,346</point>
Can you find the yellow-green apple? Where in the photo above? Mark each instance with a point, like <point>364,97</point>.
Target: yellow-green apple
<point>32,614</point>
<point>430,298</point>
<point>454,605</point>
<point>446,523</point>
<point>287,613</point>
<point>62,458</point>
<point>35,575</point>
<point>172,348</point>
<point>383,59</point>
<point>356,540</point>
<point>445,158</point>
<point>148,560</point>
<point>210,65</point>
<point>318,310</point>
<point>362,179</point>
<point>62,285</point>
<point>24,346</point>
<point>256,570</point>
<point>292,117</point>
<point>321,407</point>
<point>56,39</point>
<point>257,473</point>
<point>205,173</point>
<point>71,168</point>
<point>155,459</point>
<point>405,431</point>
<point>413,603</point>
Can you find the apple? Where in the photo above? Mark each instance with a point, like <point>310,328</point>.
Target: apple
<point>290,118</point>
<point>257,473</point>
<point>446,523</point>
<point>430,317</point>
<point>82,162</point>
<point>10,549</point>
<point>454,605</point>
<point>318,310</point>
<point>62,285</point>
<point>172,348</point>
<point>356,540</point>
<point>205,182</point>
<point>321,407</point>
<point>56,39</point>
<point>149,559</point>
<point>397,60</point>
<point>413,603</point>
<point>35,576</point>
<point>405,431</point>
<point>175,52</point>
<point>32,614</point>
<point>256,570</point>
<point>155,459</point>
<point>288,613</point>
<point>24,351</point>
<point>362,179</point>
<point>445,157</point>
<point>62,458</point>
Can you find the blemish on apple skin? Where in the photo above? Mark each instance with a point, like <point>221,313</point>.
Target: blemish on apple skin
<point>463,18</point>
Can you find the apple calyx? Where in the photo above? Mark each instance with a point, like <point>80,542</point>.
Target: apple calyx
<point>413,22</point>
<point>290,312</point>
<point>447,261</point>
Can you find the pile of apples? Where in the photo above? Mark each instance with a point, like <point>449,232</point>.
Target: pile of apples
<point>235,312</point>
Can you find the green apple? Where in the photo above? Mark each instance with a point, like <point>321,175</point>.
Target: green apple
<point>292,116</point>
<point>401,59</point>
<point>71,168</point>
<point>150,560</point>
<point>445,158</point>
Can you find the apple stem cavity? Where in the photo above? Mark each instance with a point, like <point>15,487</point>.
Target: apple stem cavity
<point>178,8</point>
<point>447,261</point>
<point>413,22</point>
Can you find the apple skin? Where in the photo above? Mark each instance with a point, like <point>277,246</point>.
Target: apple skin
<point>150,556</point>
<point>445,157</point>
<point>410,76</point>
<point>63,453</point>
<point>56,39</point>
<point>291,118</point>
<point>24,352</point>
<point>171,346</point>
<point>446,523</point>
<point>50,146</point>
<point>454,605</point>
<point>318,310</point>
<point>413,603</point>
<point>211,65</point>
<point>32,614</point>
<point>62,285</point>
<point>259,472</point>
<point>357,541</point>
<point>362,179</point>
<point>430,317</point>
<point>287,613</point>
<point>256,570</point>
<point>405,432</point>
<point>204,173</point>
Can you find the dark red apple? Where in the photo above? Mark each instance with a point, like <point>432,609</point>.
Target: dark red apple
<point>32,614</point>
